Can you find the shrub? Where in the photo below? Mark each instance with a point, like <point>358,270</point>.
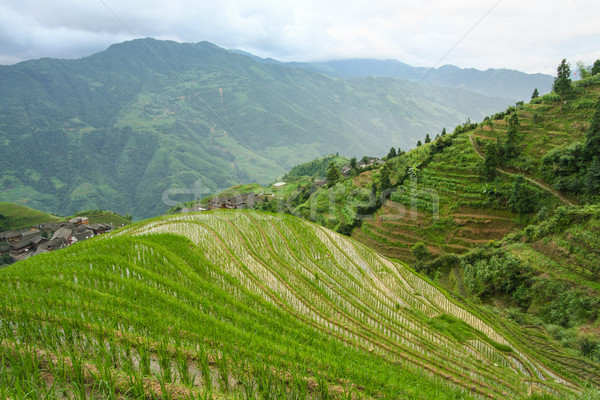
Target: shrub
<point>501,274</point>
<point>420,251</point>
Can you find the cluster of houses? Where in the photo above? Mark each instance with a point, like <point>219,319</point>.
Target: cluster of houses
<point>42,238</point>
<point>362,164</point>
<point>244,201</point>
<point>239,202</point>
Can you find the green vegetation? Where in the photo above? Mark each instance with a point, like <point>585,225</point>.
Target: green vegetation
<point>15,216</point>
<point>145,119</point>
<point>315,169</point>
<point>195,306</point>
<point>562,82</point>
<point>502,214</point>
<point>482,212</point>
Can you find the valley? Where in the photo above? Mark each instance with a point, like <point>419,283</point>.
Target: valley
<point>118,129</point>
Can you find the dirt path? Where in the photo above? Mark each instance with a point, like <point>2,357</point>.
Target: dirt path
<point>536,182</point>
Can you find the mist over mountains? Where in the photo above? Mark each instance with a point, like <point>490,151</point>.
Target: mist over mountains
<point>119,128</point>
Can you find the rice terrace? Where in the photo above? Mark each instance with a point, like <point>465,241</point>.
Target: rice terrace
<point>236,304</point>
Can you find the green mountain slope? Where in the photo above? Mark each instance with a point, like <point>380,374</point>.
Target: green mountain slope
<point>492,211</point>
<point>129,128</point>
<point>256,305</point>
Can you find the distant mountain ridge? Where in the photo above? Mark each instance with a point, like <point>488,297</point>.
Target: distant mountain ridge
<point>133,127</point>
<point>506,83</point>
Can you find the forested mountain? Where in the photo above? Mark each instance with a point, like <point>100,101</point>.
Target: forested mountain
<point>119,129</point>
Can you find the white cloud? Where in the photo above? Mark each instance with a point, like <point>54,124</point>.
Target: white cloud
<point>532,36</point>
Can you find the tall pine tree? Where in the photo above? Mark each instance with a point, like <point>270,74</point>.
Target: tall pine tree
<point>490,161</point>
<point>384,179</point>
<point>333,175</point>
<point>392,153</point>
<point>562,82</point>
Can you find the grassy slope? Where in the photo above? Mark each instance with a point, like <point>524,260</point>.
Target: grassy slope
<point>543,127</point>
<point>447,205</point>
<point>455,210</point>
<point>23,217</point>
<point>103,217</point>
<point>467,216</point>
<point>269,302</point>
<point>561,248</point>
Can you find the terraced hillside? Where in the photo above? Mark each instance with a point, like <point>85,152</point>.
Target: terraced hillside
<point>18,216</point>
<point>445,203</point>
<point>452,204</point>
<point>549,140</point>
<point>254,305</point>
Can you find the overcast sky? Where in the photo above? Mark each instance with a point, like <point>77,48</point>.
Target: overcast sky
<point>527,35</point>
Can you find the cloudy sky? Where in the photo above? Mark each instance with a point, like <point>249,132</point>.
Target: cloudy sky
<point>528,35</point>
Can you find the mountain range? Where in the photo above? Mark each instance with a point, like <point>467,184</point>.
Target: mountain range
<point>132,127</point>
<point>506,83</point>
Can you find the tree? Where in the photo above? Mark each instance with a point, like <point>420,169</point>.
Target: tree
<point>443,131</point>
<point>521,198</point>
<point>6,259</point>
<point>392,153</point>
<point>562,82</point>
<point>353,162</point>
<point>4,223</point>
<point>419,144</point>
<point>514,121</point>
<point>592,178</point>
<point>510,143</point>
<point>535,94</point>
<point>384,179</point>
<point>333,175</point>
<point>490,161</point>
<point>596,67</point>
<point>591,146</point>
<point>584,71</point>
<point>427,138</point>
<point>420,251</point>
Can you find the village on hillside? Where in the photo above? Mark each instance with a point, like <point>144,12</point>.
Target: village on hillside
<point>42,238</point>
<point>249,200</point>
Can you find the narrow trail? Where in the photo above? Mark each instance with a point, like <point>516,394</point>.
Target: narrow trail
<point>536,182</point>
